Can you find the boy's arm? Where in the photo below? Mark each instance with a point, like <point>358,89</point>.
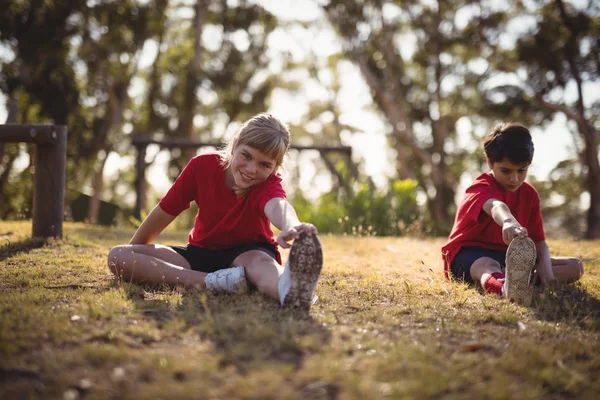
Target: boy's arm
<point>544,264</point>
<point>501,214</point>
<point>152,226</point>
<point>284,217</point>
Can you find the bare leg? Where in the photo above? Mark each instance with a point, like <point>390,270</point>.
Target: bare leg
<point>153,263</point>
<point>261,271</point>
<point>482,268</point>
<point>567,269</point>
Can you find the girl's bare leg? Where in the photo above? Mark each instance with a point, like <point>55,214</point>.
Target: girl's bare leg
<point>262,271</point>
<point>153,263</point>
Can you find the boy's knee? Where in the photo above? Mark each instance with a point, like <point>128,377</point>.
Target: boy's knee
<point>485,265</point>
<point>114,257</point>
<point>578,267</point>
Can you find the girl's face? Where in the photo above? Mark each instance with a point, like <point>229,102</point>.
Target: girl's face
<point>510,176</point>
<point>250,167</point>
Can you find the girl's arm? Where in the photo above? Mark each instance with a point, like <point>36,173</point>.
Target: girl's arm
<point>284,217</point>
<point>501,214</point>
<point>152,226</point>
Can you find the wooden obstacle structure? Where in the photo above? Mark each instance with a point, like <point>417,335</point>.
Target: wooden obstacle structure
<point>50,172</point>
<point>141,142</point>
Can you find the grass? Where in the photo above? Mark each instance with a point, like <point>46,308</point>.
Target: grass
<point>387,325</point>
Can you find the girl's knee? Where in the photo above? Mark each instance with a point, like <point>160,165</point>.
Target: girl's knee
<point>263,273</point>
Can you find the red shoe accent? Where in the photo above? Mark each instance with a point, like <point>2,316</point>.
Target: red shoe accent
<point>491,284</point>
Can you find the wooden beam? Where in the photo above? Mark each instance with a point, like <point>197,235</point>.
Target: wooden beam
<point>140,142</point>
<point>186,143</point>
<point>38,134</point>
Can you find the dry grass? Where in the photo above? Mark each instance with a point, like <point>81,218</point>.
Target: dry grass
<point>387,325</point>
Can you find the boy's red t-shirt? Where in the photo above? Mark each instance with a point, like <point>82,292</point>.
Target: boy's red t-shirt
<point>223,220</point>
<point>474,227</point>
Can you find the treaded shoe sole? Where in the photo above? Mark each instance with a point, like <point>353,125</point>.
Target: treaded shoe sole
<point>520,260</point>
<point>305,263</point>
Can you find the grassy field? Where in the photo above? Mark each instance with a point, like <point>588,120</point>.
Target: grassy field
<point>387,325</point>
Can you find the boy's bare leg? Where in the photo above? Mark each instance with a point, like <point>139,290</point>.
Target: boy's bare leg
<point>483,268</point>
<point>154,264</point>
<point>567,269</point>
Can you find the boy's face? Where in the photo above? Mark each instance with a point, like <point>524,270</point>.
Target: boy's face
<point>510,176</point>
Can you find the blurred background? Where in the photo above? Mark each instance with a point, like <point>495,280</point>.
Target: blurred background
<point>410,85</point>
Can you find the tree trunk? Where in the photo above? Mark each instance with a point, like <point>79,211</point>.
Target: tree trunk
<point>186,122</point>
<point>593,182</point>
<point>97,188</point>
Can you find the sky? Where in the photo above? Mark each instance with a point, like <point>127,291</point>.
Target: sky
<point>369,145</point>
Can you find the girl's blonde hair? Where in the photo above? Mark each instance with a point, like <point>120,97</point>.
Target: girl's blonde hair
<point>262,132</point>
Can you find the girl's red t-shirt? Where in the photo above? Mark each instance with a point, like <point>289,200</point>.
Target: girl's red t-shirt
<point>223,220</point>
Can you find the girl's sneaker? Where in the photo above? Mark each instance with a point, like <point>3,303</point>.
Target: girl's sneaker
<point>520,260</point>
<point>229,280</point>
<point>302,270</point>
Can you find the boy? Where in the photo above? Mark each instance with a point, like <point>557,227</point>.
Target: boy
<point>498,236</point>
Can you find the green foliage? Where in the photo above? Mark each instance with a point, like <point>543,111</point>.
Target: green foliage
<point>137,222</point>
<point>364,210</point>
<point>561,203</point>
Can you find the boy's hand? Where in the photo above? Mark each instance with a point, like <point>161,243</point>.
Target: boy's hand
<point>292,233</point>
<point>512,229</point>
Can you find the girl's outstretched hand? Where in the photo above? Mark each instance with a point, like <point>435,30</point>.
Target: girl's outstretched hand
<point>293,232</point>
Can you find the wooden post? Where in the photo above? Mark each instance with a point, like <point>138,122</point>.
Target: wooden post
<point>49,175</point>
<point>140,176</point>
<point>49,185</point>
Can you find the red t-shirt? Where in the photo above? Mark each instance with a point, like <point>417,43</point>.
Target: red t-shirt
<point>223,219</point>
<point>474,227</point>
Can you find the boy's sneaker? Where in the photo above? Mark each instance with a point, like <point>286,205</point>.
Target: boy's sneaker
<point>520,260</point>
<point>230,280</point>
<point>302,270</point>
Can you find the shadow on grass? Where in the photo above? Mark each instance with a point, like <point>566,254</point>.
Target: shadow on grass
<point>249,331</point>
<point>11,249</point>
<point>121,235</point>
<point>571,304</point>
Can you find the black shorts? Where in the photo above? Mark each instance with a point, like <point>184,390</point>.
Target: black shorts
<point>461,265</point>
<point>206,260</point>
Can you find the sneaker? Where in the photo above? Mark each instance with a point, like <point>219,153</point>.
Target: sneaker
<point>230,280</point>
<point>520,260</point>
<point>302,271</point>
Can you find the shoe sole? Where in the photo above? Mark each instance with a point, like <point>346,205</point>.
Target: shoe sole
<point>520,260</point>
<point>305,263</point>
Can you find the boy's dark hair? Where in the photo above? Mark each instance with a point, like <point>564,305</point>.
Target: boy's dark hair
<point>512,141</point>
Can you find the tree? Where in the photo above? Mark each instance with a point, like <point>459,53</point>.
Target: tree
<point>76,62</point>
<point>558,52</point>
<point>421,93</point>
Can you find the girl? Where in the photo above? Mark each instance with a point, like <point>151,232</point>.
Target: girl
<point>231,245</point>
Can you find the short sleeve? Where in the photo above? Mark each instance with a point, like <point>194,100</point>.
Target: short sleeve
<point>476,196</point>
<point>183,190</point>
<point>271,189</point>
